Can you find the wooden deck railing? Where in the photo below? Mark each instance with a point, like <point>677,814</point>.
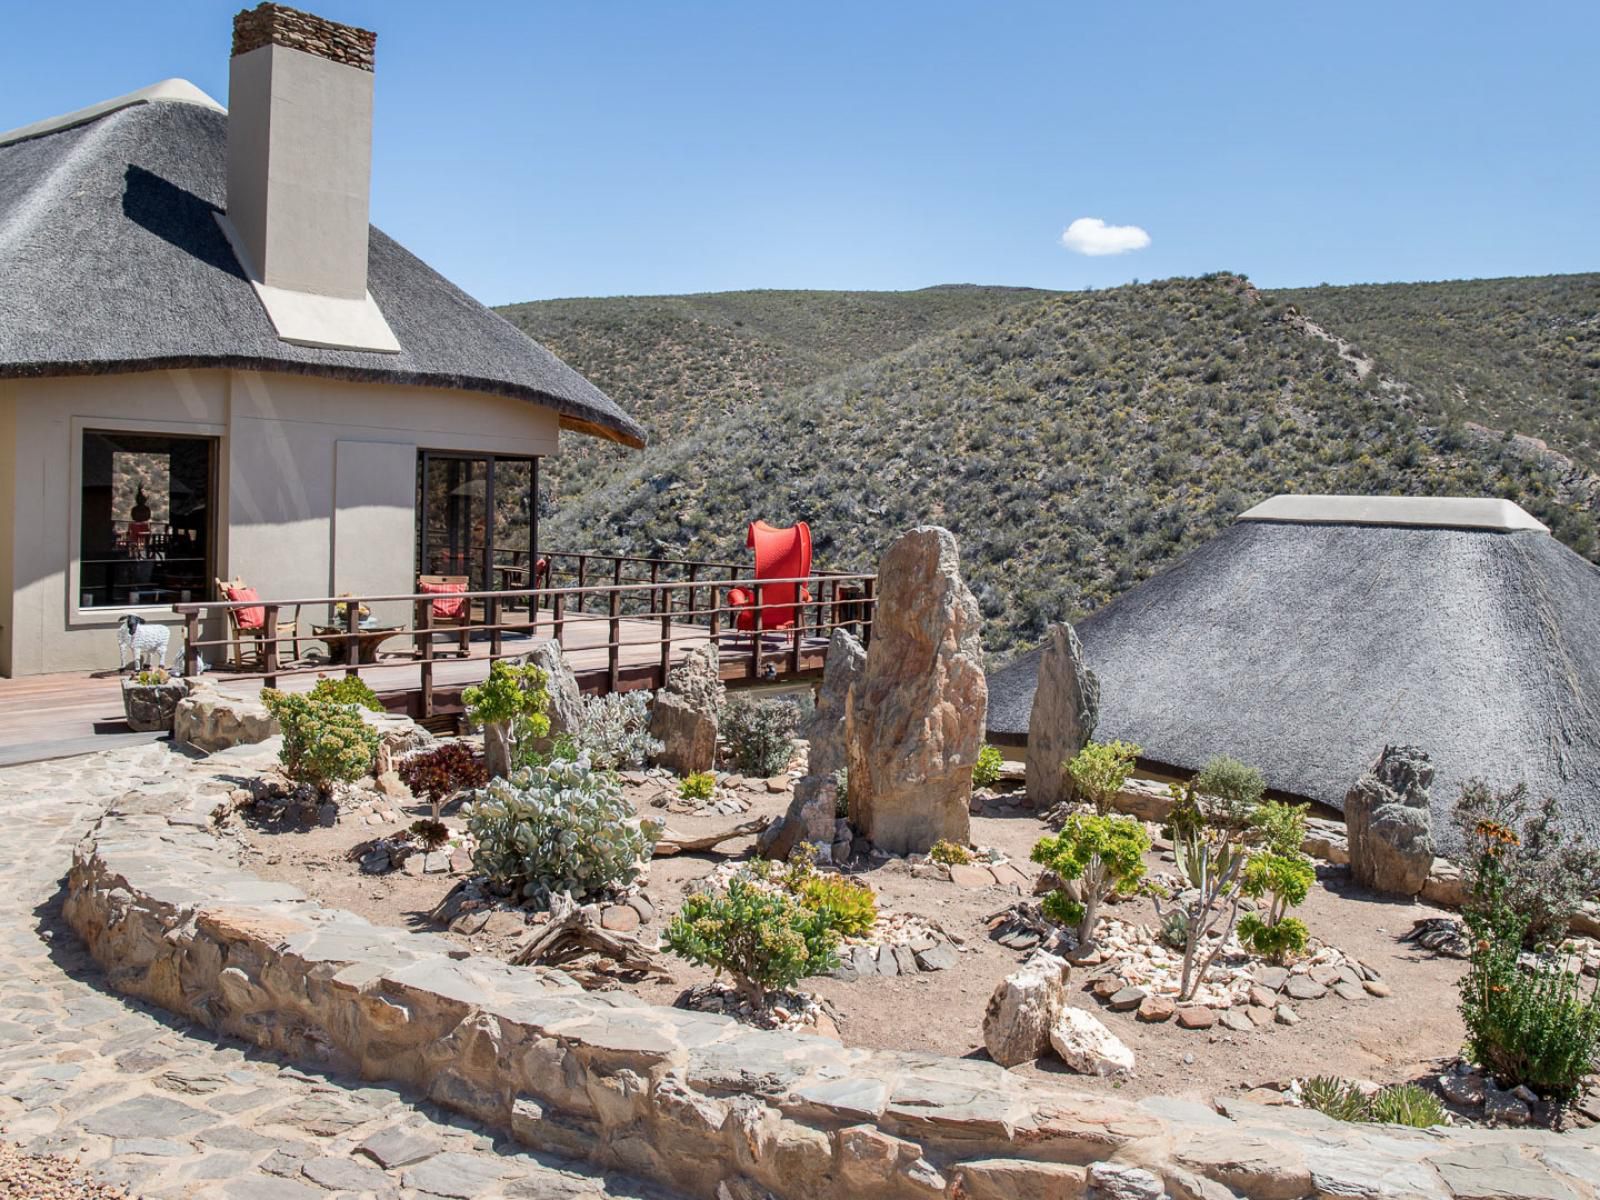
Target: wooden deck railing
<point>645,625</point>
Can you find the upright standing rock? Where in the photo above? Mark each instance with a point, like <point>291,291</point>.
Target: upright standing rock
<point>566,702</point>
<point>1024,1009</point>
<point>1389,823</point>
<point>683,717</point>
<point>825,730</point>
<point>1066,708</point>
<point>917,717</point>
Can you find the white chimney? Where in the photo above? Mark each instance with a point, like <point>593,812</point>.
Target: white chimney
<point>300,174</point>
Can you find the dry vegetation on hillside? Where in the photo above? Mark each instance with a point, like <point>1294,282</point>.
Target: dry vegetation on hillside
<point>1075,443</point>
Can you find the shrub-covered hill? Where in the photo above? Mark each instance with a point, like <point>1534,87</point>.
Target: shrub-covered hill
<point>1075,443</point>
<point>685,364</point>
<point>1514,354</point>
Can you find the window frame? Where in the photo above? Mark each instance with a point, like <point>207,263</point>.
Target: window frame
<point>77,615</point>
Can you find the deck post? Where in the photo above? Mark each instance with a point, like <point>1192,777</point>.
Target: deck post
<point>269,646</point>
<point>694,578</point>
<point>191,652</point>
<point>614,637</point>
<point>558,606</point>
<point>868,612</point>
<point>655,578</point>
<point>799,620</point>
<point>491,612</point>
<point>352,645</point>
<point>666,637</point>
<point>755,636</point>
<point>424,623</point>
<point>583,580</point>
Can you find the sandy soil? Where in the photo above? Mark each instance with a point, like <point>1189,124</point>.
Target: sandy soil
<point>1386,1040</point>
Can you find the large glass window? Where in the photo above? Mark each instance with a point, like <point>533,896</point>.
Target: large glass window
<point>146,519</point>
<point>476,518</point>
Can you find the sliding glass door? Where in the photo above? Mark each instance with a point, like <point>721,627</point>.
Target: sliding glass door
<point>477,518</point>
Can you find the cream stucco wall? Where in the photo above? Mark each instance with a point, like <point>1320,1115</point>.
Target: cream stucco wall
<point>8,508</point>
<point>316,487</point>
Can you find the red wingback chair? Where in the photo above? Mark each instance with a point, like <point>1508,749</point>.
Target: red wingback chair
<point>780,554</point>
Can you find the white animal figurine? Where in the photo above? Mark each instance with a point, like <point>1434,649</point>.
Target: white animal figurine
<point>141,641</point>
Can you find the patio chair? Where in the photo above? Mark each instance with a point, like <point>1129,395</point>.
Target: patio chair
<point>450,610</point>
<point>247,627</point>
<point>780,554</point>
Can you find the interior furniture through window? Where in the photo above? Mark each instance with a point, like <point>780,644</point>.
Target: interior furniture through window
<point>146,519</point>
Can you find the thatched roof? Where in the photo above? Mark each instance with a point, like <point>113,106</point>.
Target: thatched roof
<point>111,260</point>
<point>1303,639</point>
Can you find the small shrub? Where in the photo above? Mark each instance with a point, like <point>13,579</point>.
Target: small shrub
<point>1106,853</point>
<point>762,938</point>
<point>760,734</point>
<point>1209,836</point>
<point>848,906</point>
<point>614,730</point>
<point>986,771</point>
<point>559,827</point>
<point>430,834</point>
<point>1406,1104</point>
<point>1542,871</point>
<point>1283,881</point>
<point>841,783</point>
<point>323,744</point>
<point>1100,770</point>
<point>1334,1097</point>
<point>1174,931</point>
<point>949,853</point>
<point>1232,789</point>
<point>1280,828</point>
<point>152,677</point>
<point>1526,1024</point>
<point>346,689</point>
<point>701,785</point>
<point>510,705</point>
<point>438,774</point>
<point>1274,940</point>
<point>1397,1104</point>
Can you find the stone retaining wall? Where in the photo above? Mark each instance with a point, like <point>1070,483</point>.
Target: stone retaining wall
<point>714,1107</point>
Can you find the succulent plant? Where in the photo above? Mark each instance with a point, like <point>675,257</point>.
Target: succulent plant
<point>557,827</point>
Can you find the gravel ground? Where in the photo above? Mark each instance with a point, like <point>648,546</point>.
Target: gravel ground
<point>45,1177</point>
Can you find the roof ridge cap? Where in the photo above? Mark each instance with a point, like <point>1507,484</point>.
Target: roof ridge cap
<point>176,91</point>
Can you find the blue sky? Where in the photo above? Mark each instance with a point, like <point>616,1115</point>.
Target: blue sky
<point>555,149</point>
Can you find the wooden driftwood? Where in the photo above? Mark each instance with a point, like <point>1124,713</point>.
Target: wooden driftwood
<point>573,932</point>
<point>671,843</point>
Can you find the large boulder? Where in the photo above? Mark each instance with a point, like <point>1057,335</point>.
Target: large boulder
<point>825,729</point>
<point>211,719</point>
<point>1066,708</point>
<point>566,702</point>
<point>919,709</point>
<point>812,816</point>
<point>1024,1008</point>
<point>1084,1043</point>
<point>683,717</point>
<point>1388,822</point>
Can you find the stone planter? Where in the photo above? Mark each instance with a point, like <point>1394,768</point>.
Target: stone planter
<point>151,707</point>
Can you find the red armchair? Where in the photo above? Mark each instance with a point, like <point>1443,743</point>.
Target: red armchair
<point>780,554</point>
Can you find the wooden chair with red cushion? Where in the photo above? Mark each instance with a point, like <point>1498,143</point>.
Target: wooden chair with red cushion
<point>780,554</point>
<point>449,613</point>
<point>247,628</point>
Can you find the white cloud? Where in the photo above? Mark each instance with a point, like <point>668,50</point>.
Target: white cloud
<point>1092,236</point>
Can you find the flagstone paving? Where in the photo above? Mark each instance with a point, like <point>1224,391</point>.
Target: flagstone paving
<point>164,1108</point>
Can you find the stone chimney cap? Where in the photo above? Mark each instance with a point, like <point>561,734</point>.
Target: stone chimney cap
<point>277,25</point>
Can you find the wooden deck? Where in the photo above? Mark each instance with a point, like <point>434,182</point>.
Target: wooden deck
<point>55,716</point>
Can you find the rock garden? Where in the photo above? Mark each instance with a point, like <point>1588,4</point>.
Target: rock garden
<point>857,864</point>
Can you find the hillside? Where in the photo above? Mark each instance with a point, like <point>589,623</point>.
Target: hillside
<point>683,364</point>
<point>1075,443</point>
<point>1512,354</point>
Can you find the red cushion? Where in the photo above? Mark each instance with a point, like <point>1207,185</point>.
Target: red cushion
<point>246,619</point>
<point>448,610</point>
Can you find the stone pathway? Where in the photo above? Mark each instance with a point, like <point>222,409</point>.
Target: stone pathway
<point>167,1110</point>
